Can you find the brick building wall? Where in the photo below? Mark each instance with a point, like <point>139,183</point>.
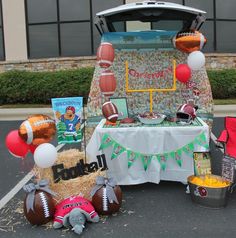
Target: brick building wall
<point>213,61</point>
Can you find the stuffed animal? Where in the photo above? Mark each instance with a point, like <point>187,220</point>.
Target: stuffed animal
<point>74,212</point>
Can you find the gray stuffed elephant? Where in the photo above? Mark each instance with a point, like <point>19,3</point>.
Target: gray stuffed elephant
<point>75,219</point>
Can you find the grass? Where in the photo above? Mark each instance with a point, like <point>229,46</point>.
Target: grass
<point>230,101</point>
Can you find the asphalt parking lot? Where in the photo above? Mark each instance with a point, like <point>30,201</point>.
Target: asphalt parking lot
<point>148,210</point>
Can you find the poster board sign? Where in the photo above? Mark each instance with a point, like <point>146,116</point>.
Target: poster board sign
<point>228,168</point>
<point>202,163</point>
<point>68,115</point>
<point>121,104</point>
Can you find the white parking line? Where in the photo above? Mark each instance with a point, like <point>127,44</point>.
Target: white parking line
<point>19,185</point>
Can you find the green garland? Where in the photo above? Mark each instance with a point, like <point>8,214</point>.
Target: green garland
<point>146,159</point>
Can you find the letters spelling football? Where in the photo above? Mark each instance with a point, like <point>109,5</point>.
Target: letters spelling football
<point>37,129</point>
<point>189,41</point>
<point>44,208</point>
<point>109,111</point>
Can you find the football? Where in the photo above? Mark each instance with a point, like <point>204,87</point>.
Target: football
<point>105,55</point>
<point>107,83</point>
<point>109,111</point>
<point>37,129</point>
<point>102,204</point>
<point>44,208</point>
<point>189,41</point>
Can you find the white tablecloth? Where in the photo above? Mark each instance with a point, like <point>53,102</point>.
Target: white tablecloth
<point>148,140</point>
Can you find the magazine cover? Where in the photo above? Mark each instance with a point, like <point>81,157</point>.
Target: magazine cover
<point>68,115</point>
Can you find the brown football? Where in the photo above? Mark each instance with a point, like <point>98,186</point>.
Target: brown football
<point>189,41</point>
<point>127,120</point>
<point>109,111</point>
<point>37,129</point>
<point>102,204</point>
<point>44,209</point>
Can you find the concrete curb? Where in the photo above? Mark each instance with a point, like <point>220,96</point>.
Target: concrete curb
<point>224,110</point>
<point>22,113</point>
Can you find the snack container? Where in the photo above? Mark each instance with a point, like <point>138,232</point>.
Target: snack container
<point>212,197</point>
<point>152,121</point>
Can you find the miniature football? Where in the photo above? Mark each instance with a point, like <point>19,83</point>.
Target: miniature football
<point>109,111</point>
<point>43,208</point>
<point>102,204</point>
<point>37,129</point>
<point>189,41</point>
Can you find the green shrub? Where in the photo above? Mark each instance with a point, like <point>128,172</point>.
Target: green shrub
<point>40,87</point>
<point>223,83</point>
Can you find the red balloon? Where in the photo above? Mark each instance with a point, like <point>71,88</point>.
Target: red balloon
<point>183,73</point>
<point>32,148</point>
<point>16,146</point>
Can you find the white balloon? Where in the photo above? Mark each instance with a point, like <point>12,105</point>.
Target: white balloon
<point>196,60</point>
<point>45,155</point>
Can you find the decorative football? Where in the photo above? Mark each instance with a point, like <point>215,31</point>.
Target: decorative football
<point>102,204</point>
<point>189,41</point>
<point>107,83</point>
<point>105,54</point>
<point>37,129</point>
<point>109,111</point>
<point>43,208</point>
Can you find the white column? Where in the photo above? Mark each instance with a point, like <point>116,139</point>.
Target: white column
<point>14,30</point>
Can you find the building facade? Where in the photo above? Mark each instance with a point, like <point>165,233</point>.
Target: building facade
<point>33,29</point>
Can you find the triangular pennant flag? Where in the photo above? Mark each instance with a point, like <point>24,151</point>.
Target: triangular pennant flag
<point>206,146</point>
<point>117,150</point>
<point>179,152</point>
<point>162,160</point>
<point>172,154</point>
<point>106,142</point>
<point>146,159</point>
<point>201,139</point>
<point>191,146</point>
<point>178,157</point>
<point>132,156</point>
<point>188,150</point>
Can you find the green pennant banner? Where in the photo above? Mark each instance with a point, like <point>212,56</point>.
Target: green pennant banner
<point>117,150</point>
<point>178,157</point>
<point>201,140</point>
<point>179,152</point>
<point>106,142</point>
<point>191,146</point>
<point>172,154</point>
<point>188,149</point>
<point>162,160</point>
<point>146,159</point>
<point>132,156</point>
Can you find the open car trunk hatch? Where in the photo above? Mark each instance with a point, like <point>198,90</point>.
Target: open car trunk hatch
<point>149,11</point>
